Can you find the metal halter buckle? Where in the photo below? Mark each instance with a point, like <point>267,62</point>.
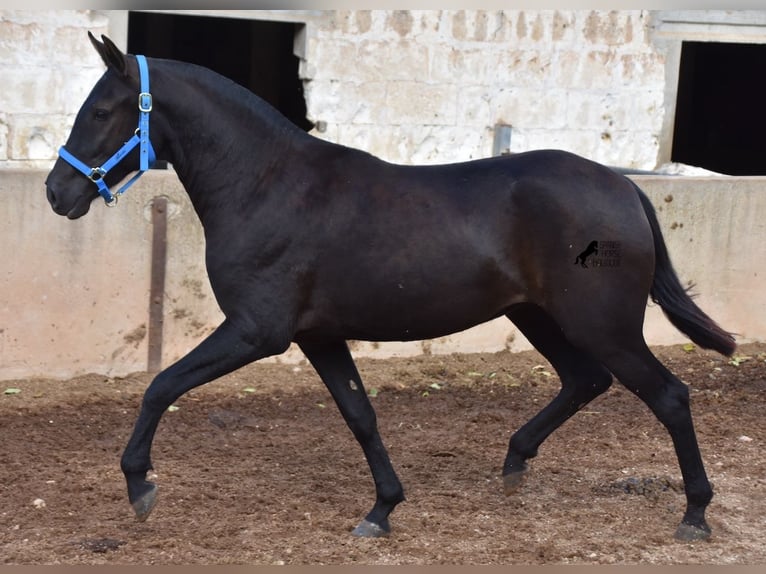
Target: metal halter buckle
<point>145,102</point>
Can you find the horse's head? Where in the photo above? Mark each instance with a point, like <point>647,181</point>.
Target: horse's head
<point>105,144</point>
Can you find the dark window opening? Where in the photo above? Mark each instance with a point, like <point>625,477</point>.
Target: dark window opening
<point>720,121</point>
<point>254,53</point>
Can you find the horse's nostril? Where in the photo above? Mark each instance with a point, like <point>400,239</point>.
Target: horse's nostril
<point>52,197</point>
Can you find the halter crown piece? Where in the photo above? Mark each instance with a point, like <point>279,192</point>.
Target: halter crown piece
<point>140,138</point>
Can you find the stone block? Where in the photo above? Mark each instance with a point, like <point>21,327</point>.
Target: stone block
<point>594,69</point>
<point>348,102</point>
<point>612,28</point>
<point>334,60</point>
<point>525,68</point>
<point>530,108</point>
<point>645,69</point>
<point>400,60</point>
<point>474,106</point>
<point>479,25</point>
<point>421,104</point>
<point>443,144</point>
<point>36,136</point>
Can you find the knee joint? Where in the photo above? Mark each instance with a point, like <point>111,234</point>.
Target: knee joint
<point>158,396</point>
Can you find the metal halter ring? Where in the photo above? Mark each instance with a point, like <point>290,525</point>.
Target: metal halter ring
<point>96,174</point>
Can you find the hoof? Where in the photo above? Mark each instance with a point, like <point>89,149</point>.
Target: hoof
<point>513,481</point>
<point>144,505</point>
<point>367,529</point>
<point>690,533</point>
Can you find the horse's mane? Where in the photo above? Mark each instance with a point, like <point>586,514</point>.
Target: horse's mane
<point>227,94</point>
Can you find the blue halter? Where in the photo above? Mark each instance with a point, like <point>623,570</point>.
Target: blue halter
<point>140,138</point>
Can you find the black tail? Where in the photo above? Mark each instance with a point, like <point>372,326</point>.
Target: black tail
<point>674,300</point>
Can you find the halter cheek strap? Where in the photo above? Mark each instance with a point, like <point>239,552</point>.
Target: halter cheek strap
<point>141,139</point>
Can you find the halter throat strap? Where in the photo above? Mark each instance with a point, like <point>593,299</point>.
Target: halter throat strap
<point>147,157</point>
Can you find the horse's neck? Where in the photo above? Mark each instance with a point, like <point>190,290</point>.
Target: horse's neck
<point>221,138</point>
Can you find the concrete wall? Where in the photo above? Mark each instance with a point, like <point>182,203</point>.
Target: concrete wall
<point>74,295</point>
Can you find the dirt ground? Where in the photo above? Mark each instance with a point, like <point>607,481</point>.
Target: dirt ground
<point>259,468</point>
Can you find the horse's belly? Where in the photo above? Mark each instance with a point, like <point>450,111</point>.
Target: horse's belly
<point>436,317</point>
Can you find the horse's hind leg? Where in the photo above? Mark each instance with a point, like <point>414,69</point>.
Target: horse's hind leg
<point>225,350</point>
<point>668,398</point>
<point>334,364</point>
<point>582,379</point>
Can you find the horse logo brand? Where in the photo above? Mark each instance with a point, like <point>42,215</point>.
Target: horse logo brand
<point>583,256</point>
<point>601,254</point>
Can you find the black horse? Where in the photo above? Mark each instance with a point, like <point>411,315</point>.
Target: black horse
<point>316,243</point>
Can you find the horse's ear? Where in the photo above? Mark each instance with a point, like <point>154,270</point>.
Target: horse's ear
<point>110,54</point>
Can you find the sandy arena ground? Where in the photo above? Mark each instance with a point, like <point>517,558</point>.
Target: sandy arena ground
<point>259,468</point>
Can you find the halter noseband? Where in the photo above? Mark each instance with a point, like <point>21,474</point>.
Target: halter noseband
<point>140,138</point>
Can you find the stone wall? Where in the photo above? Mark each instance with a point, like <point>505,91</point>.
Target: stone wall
<point>48,67</point>
<point>421,86</point>
<point>429,86</point>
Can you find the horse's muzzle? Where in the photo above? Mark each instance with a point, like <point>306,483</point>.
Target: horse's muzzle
<point>73,211</point>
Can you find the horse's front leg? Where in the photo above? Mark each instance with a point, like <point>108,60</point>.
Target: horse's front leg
<point>224,351</point>
<point>332,360</point>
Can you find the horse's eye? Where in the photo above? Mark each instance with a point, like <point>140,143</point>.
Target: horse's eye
<point>101,114</point>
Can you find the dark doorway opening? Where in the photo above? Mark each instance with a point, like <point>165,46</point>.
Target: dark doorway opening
<point>254,53</point>
<point>720,121</point>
